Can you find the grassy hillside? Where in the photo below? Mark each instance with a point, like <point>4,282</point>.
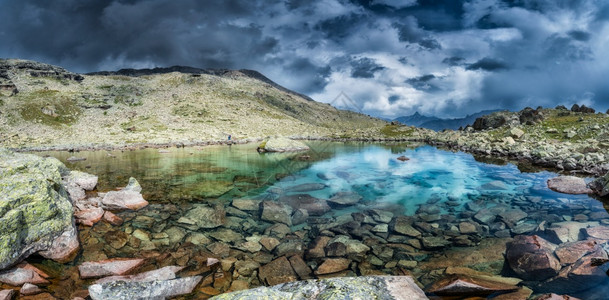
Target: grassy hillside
<point>46,105</point>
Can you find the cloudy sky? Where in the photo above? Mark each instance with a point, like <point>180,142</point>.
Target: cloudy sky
<point>391,57</point>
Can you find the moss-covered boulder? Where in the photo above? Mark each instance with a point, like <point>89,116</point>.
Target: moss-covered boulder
<point>35,212</point>
<point>282,144</point>
<point>368,287</point>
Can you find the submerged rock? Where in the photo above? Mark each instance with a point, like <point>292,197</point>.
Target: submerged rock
<point>314,206</point>
<point>204,216</point>
<point>128,198</point>
<point>365,287</point>
<point>569,185</point>
<point>276,272</point>
<point>35,212</point>
<point>23,273</point>
<point>462,285</point>
<point>342,199</point>
<point>532,257</point>
<point>158,289</point>
<point>276,212</point>
<point>282,144</point>
<point>114,266</point>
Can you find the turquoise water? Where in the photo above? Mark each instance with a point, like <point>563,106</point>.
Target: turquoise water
<point>437,190</point>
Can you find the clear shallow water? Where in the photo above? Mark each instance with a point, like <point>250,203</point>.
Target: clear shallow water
<point>436,189</point>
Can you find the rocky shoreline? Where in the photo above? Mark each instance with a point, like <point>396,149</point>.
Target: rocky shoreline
<point>222,247</point>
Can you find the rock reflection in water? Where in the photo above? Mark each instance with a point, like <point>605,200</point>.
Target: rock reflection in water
<point>358,212</point>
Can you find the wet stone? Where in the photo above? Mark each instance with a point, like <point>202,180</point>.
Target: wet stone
<point>434,242</point>
<point>226,235</point>
<point>203,216</point>
<point>532,257</point>
<point>219,248</point>
<point>276,272</point>
<point>317,248</point>
<point>300,216</point>
<point>246,204</point>
<point>116,239</point>
<point>332,265</point>
<point>300,267</point>
<point>380,216</point>
<point>314,206</point>
<point>343,199</point>
<point>402,225</point>
<point>467,228</point>
<point>289,247</point>
<point>598,232</point>
<point>269,243</point>
<point>276,212</point>
<point>569,253</point>
<point>278,230</point>
<point>246,267</point>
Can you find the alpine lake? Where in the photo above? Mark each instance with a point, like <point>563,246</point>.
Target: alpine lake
<point>435,213</point>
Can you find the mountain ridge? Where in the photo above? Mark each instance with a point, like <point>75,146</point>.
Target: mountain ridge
<point>437,124</point>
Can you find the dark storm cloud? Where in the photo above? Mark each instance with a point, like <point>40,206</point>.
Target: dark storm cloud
<point>488,64</point>
<point>364,68</point>
<point>483,54</point>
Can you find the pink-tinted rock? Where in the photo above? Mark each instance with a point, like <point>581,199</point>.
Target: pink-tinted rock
<point>165,273</point>
<point>124,199</point>
<point>23,273</point>
<point>569,253</point>
<point>569,185</point>
<point>277,271</point>
<point>553,296</point>
<point>462,285</point>
<point>108,267</point>
<point>598,232</point>
<point>532,257</point>
<point>89,217</point>
<point>333,265</point>
<point>113,219</point>
<point>30,289</point>
<point>7,294</point>
<point>64,247</point>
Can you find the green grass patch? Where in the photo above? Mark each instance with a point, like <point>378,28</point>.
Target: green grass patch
<point>189,110</point>
<point>396,131</point>
<point>49,107</point>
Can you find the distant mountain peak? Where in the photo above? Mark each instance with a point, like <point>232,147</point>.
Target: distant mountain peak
<point>437,124</point>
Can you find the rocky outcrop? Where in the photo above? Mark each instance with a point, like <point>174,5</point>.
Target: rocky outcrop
<point>494,120</point>
<point>582,109</point>
<point>37,69</point>
<point>282,144</point>
<point>600,186</point>
<point>366,287</point>
<point>529,116</point>
<point>35,212</point>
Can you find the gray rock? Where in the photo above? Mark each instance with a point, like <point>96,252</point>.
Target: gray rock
<point>342,199</point>
<point>365,287</point>
<point>35,212</point>
<point>129,197</point>
<point>402,225</point>
<point>600,186</point>
<point>204,216</point>
<point>569,185</point>
<point>276,212</point>
<point>159,289</point>
<point>246,204</point>
<point>306,187</point>
<point>314,206</point>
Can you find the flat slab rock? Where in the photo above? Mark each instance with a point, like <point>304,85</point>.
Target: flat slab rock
<point>569,185</point>
<point>365,287</point>
<point>158,289</point>
<point>108,267</point>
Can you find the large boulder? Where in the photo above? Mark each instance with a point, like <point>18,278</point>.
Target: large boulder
<point>532,257</point>
<point>365,287</point>
<point>35,212</point>
<point>494,120</point>
<point>282,144</point>
<point>529,116</point>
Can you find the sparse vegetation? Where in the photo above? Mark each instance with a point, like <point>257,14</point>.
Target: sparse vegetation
<point>48,107</point>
